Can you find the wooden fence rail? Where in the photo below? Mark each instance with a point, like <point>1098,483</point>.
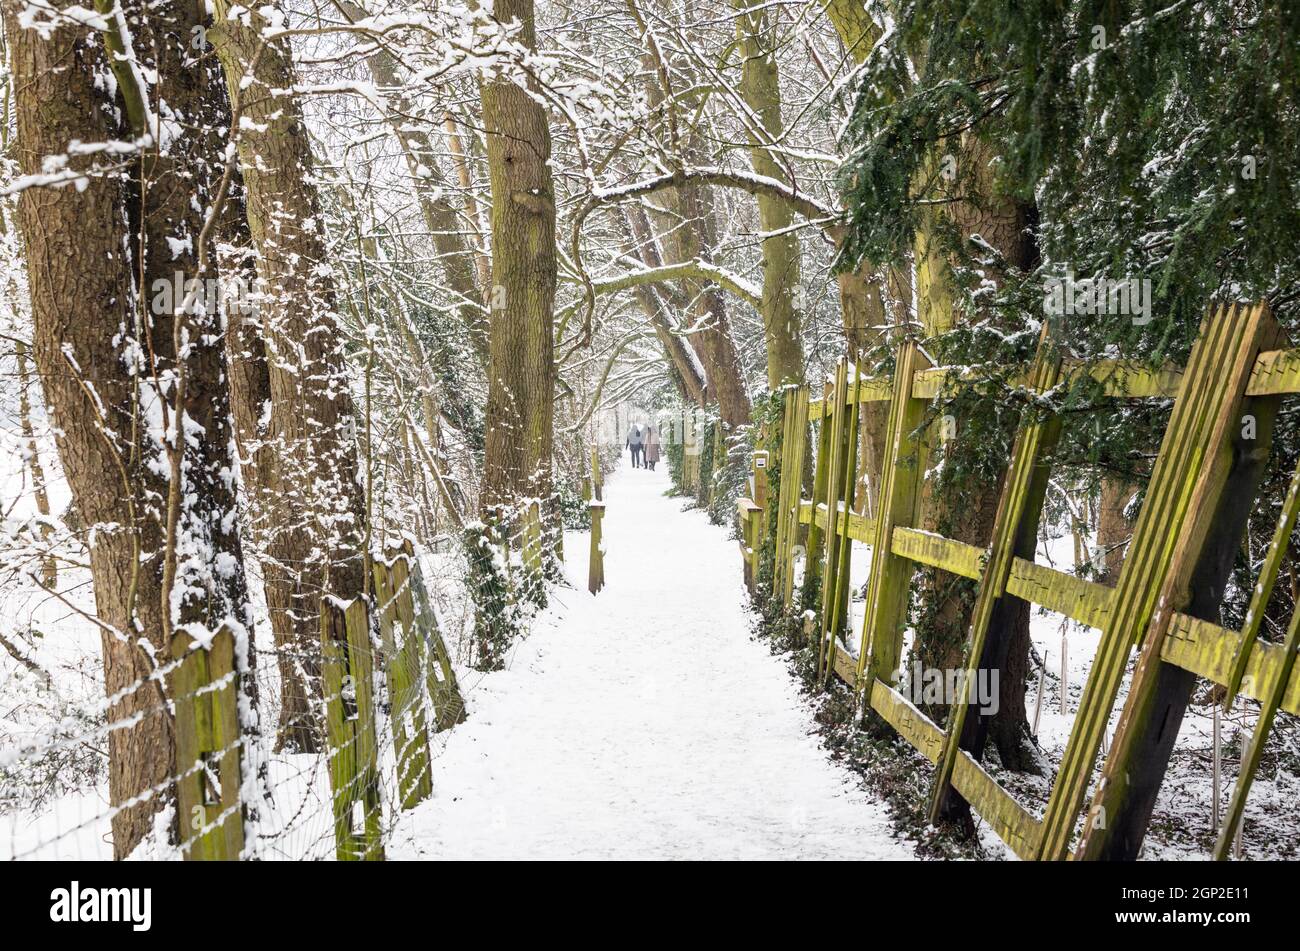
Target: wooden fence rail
<point>1165,604</point>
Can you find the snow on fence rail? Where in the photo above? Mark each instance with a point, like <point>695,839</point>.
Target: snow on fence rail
<point>1165,604</point>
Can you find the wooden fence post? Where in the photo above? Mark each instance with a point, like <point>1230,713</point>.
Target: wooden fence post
<point>689,443</point>
<point>821,473</point>
<point>758,467</point>
<point>1263,589</point>
<point>1255,747</point>
<point>778,541</point>
<point>596,563</point>
<point>902,470</point>
<point>1272,699</point>
<point>746,524</point>
<point>834,416</point>
<point>1015,533</point>
<point>532,542</point>
<point>403,669</point>
<point>758,473</point>
<point>719,457</point>
<point>750,517</point>
<point>793,442</point>
<point>597,479</point>
<point>1186,536</point>
<point>848,492</point>
<point>835,566</point>
<point>347,675</point>
<point>205,691</point>
<point>440,676</point>
<point>697,461</point>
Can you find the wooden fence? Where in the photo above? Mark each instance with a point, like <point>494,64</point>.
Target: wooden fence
<point>1165,604</point>
<point>413,660</point>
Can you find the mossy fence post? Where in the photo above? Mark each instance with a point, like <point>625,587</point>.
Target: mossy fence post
<point>440,676</point>
<point>816,536</point>
<point>596,563</point>
<point>750,516</point>
<point>347,674</point>
<point>403,669</point>
<point>839,501</point>
<point>790,466</point>
<point>205,691</point>
<point>532,549</point>
<point>898,505</point>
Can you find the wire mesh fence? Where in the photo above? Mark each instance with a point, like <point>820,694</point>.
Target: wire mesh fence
<point>237,784</point>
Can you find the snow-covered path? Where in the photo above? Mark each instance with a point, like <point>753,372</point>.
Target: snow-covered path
<point>644,722</point>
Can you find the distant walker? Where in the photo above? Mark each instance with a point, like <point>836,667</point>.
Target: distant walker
<point>650,447</point>
<point>635,439</point>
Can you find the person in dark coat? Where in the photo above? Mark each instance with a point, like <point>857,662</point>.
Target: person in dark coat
<point>634,443</point>
<point>651,447</point>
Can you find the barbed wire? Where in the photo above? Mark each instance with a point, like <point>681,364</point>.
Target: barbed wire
<point>289,802</point>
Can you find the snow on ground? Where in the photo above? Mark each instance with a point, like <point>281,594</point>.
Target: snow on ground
<point>643,722</point>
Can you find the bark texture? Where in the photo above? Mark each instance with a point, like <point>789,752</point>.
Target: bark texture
<point>85,337</point>
<point>204,576</point>
<point>313,502</point>
<point>756,40</point>
<point>521,372</point>
<point>966,513</point>
<point>1113,529</point>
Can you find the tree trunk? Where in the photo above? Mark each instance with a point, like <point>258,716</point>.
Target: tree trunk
<point>314,504</point>
<point>250,399</point>
<point>86,346</point>
<point>1113,529</point>
<point>782,294</point>
<point>520,405</point>
<point>966,512</point>
<point>205,574</point>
